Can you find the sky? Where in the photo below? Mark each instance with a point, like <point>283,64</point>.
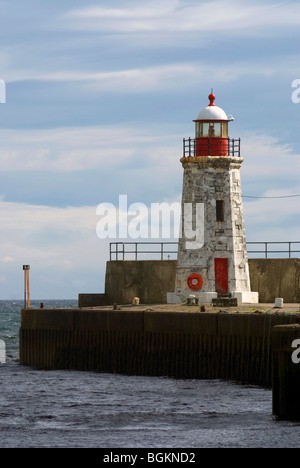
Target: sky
<point>100,94</point>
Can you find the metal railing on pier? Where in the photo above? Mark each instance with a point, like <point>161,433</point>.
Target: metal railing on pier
<point>268,249</point>
<point>143,250</point>
<point>168,250</point>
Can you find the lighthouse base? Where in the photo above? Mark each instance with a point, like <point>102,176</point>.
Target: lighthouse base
<point>205,297</point>
<point>249,297</point>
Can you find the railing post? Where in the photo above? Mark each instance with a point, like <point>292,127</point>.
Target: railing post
<point>266,249</point>
<point>136,251</point>
<point>117,251</point>
<point>183,147</point>
<point>289,249</point>
<point>162,251</point>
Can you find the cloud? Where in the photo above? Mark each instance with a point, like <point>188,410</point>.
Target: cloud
<point>163,77</point>
<point>36,225</point>
<point>180,17</point>
<point>136,160</point>
<point>169,25</point>
<point>121,81</point>
<point>60,244</point>
<point>110,62</point>
<point>167,78</point>
<point>273,219</point>
<point>67,149</point>
<point>6,259</point>
<point>270,172</point>
<point>265,157</point>
<point>135,148</point>
<point>77,149</point>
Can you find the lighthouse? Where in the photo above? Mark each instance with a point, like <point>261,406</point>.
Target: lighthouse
<point>212,255</point>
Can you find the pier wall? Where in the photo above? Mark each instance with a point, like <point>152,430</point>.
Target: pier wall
<point>231,346</point>
<point>275,277</point>
<point>151,280</point>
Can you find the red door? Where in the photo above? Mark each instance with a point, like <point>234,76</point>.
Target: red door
<point>221,275</point>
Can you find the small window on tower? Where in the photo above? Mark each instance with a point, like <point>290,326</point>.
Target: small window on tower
<point>220,210</point>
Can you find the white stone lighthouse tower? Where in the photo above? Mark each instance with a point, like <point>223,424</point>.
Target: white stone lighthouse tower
<point>212,255</point>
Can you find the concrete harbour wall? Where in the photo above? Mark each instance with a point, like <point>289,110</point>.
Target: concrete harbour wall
<point>231,346</point>
<point>276,277</point>
<point>150,280</point>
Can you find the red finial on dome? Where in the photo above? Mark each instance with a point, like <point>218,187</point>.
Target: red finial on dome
<point>211,97</point>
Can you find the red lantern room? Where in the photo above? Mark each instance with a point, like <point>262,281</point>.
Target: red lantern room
<point>211,134</point>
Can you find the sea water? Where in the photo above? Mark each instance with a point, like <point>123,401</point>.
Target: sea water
<point>74,409</point>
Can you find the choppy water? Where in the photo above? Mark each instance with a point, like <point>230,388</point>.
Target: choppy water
<point>88,410</point>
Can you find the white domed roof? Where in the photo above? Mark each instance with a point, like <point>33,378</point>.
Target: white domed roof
<point>213,112</point>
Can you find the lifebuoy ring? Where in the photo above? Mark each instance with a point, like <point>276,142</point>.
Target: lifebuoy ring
<point>195,281</point>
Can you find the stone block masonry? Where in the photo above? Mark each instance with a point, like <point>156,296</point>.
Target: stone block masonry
<point>215,183</point>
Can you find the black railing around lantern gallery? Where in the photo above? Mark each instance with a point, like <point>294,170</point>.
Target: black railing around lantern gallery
<point>208,146</point>
<point>168,250</point>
